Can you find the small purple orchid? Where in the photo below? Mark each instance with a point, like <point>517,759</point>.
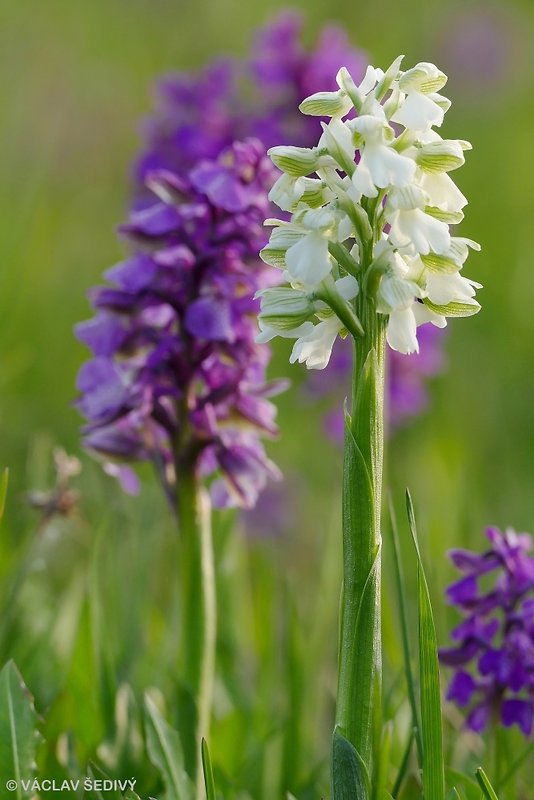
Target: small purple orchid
<point>496,638</point>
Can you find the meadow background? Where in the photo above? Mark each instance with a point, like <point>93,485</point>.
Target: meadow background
<point>88,603</point>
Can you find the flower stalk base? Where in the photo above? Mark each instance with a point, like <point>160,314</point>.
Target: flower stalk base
<point>359,681</point>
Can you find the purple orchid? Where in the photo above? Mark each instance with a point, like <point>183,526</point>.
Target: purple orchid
<point>493,659</point>
<point>176,376</point>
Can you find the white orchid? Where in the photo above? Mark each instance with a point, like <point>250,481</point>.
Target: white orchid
<point>371,207</point>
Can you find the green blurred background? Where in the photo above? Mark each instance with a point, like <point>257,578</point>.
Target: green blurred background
<point>77,81</point>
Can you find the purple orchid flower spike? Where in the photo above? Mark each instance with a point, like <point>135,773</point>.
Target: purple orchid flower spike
<point>177,377</point>
<point>493,658</point>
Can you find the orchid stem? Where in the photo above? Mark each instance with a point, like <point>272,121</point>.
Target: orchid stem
<point>198,620</point>
<point>359,678</point>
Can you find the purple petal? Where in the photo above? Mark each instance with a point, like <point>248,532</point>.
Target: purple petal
<point>518,712</point>
<point>479,717</point>
<point>461,688</point>
<point>209,318</point>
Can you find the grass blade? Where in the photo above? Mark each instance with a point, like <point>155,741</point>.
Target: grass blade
<point>518,763</point>
<point>165,752</point>
<point>403,766</point>
<point>431,719</point>
<point>485,785</point>
<point>401,589</point>
<point>3,491</point>
<point>208,772</point>
<point>379,790</point>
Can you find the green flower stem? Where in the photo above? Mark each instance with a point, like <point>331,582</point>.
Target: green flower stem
<point>198,609</point>
<point>359,679</point>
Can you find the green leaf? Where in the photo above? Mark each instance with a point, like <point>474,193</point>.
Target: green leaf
<point>453,794</point>
<point>468,785</point>
<point>349,776</point>
<point>3,491</point>
<point>208,772</point>
<point>95,773</point>
<point>431,720</point>
<point>485,785</point>
<point>165,753</point>
<point>18,732</point>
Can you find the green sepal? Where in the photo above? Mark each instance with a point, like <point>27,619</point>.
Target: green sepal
<point>419,79</point>
<point>274,257</point>
<point>450,217</point>
<point>326,104</point>
<point>438,263</point>
<point>454,309</point>
<point>295,161</point>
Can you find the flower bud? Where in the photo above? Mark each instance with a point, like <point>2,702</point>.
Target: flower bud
<point>284,308</point>
<point>326,104</point>
<point>295,161</point>
<point>424,77</point>
<point>441,156</point>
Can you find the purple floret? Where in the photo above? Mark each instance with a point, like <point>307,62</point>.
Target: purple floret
<point>495,641</point>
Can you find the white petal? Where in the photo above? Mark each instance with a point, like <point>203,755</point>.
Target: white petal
<point>419,112</point>
<point>401,332</point>
<point>421,230</point>
<point>308,261</point>
<point>442,191</point>
<point>316,347</point>
<point>347,287</point>
<point>363,180</point>
<point>387,167</point>
<point>443,289</point>
<point>287,191</point>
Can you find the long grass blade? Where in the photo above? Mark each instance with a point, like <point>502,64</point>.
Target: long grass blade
<point>3,491</point>
<point>431,720</point>
<point>208,772</point>
<point>485,785</point>
<point>516,766</point>
<point>401,594</point>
